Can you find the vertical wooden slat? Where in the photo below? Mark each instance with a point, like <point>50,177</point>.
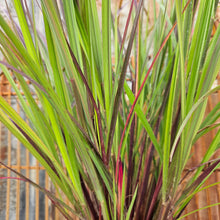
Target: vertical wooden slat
<point>210,180</point>
<point>209,108</point>
<point>19,170</point>
<point>27,195</point>
<point>9,163</point>
<point>46,198</point>
<point>27,186</point>
<point>37,192</point>
<point>56,211</point>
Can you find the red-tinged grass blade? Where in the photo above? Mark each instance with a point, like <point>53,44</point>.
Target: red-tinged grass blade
<point>144,185</point>
<point>194,186</point>
<point>89,200</point>
<point>119,188</point>
<point>25,76</point>
<point>93,102</point>
<point>130,164</point>
<point>14,24</point>
<point>141,158</point>
<point>154,198</point>
<point>120,178</point>
<point>126,25</point>
<point>60,205</point>
<point>121,81</point>
<point>44,156</point>
<point>130,159</point>
<point>148,161</point>
<point>141,88</point>
<point>196,167</point>
<point>202,177</point>
<point>11,178</point>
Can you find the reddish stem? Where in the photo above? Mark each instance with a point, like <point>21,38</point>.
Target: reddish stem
<point>141,88</point>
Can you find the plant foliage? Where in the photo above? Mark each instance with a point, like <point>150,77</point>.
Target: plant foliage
<point>114,135</point>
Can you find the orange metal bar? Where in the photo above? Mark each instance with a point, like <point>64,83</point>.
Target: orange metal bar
<point>23,167</point>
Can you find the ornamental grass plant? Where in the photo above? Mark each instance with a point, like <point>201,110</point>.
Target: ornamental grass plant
<point>114,137</point>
